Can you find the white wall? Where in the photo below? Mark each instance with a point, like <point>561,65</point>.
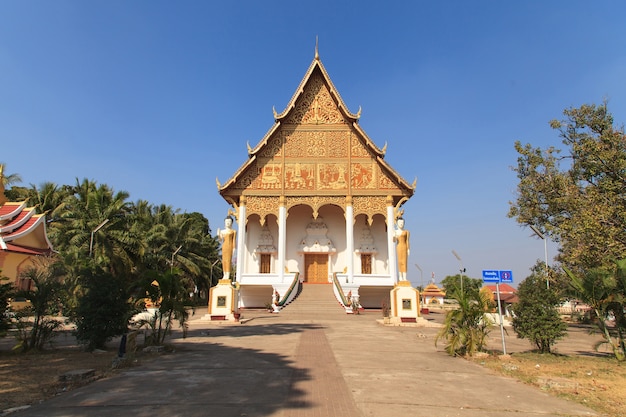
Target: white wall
<point>297,220</point>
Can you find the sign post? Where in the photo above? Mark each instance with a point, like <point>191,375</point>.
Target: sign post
<point>493,276</point>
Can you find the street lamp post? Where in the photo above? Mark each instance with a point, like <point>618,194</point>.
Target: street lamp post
<point>212,265</point>
<point>92,233</point>
<point>421,274</point>
<point>545,250</point>
<point>421,280</point>
<point>461,269</point>
<point>174,254</point>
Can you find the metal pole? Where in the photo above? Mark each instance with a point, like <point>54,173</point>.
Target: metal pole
<point>545,249</point>
<point>421,274</point>
<point>94,231</point>
<point>174,254</point>
<point>456,255</point>
<point>421,282</point>
<point>501,322</point>
<point>212,265</point>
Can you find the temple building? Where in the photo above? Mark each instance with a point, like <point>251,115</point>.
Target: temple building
<point>433,295</point>
<point>22,236</point>
<point>316,203</point>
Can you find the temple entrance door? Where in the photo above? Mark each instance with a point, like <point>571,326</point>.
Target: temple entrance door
<point>316,268</point>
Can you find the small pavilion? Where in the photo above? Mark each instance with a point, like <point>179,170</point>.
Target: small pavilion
<point>433,295</point>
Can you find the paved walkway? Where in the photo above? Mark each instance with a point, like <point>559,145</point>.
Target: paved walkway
<point>278,366</point>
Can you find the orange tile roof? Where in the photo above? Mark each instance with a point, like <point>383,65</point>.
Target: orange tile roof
<point>18,221</point>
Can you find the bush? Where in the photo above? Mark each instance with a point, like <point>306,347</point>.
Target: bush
<point>103,311</point>
<point>35,328</point>
<point>536,316</point>
<point>6,290</point>
<point>465,329</point>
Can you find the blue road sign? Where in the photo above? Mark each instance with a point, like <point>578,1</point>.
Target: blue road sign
<point>491,276</point>
<point>506,276</point>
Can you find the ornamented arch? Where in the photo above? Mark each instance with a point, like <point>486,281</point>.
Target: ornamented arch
<point>315,202</point>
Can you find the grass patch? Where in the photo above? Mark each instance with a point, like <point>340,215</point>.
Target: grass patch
<point>598,382</point>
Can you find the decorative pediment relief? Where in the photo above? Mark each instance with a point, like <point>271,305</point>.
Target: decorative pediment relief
<point>366,241</point>
<point>316,105</point>
<point>265,243</point>
<point>315,151</point>
<point>316,240</point>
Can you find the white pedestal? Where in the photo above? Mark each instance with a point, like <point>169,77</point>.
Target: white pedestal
<point>405,303</point>
<point>223,301</point>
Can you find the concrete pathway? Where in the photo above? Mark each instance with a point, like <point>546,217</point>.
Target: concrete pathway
<point>337,365</point>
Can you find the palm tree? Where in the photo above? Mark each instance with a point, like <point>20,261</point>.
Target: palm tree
<point>605,292</point>
<point>8,179</point>
<point>169,239</point>
<point>13,194</point>
<point>466,328</point>
<point>90,207</point>
<point>44,297</point>
<point>166,291</point>
<point>49,199</point>
<point>90,230</point>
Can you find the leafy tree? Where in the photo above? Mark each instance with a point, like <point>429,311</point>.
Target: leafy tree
<point>87,207</point>
<point>582,203</point>
<point>605,292</point>
<point>49,199</point>
<point>103,310</point>
<point>14,193</point>
<point>466,328</point>
<point>6,292</point>
<point>45,296</point>
<point>452,284</point>
<point>169,294</point>
<point>131,239</point>
<point>536,317</point>
<point>8,179</point>
<point>174,239</point>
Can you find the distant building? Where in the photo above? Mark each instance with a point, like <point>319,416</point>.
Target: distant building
<point>508,297</point>
<point>22,236</point>
<point>433,295</point>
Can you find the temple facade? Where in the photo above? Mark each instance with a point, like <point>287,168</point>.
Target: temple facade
<point>22,236</point>
<point>315,203</point>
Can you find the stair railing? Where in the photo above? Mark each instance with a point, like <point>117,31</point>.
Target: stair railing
<point>340,296</point>
<point>291,292</point>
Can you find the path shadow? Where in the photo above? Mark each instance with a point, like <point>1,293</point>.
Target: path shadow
<point>198,378</point>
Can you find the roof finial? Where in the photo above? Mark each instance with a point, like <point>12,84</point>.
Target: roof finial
<point>3,198</point>
<point>317,53</point>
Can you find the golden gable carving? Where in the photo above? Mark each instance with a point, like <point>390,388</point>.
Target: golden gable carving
<point>315,105</point>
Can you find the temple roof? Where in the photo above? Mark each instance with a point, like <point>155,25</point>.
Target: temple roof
<point>433,290</point>
<point>508,294</point>
<point>21,229</point>
<point>304,117</point>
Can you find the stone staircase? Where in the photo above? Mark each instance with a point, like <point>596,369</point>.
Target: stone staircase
<point>315,301</point>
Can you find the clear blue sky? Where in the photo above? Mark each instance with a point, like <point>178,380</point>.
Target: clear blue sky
<point>159,98</point>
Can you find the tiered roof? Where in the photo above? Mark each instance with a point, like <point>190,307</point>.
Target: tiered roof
<point>432,290</point>
<point>22,230</point>
<point>290,115</point>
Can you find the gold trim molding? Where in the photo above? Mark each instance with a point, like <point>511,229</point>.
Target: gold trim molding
<point>265,205</point>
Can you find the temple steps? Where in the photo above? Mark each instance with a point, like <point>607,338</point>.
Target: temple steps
<point>315,300</point>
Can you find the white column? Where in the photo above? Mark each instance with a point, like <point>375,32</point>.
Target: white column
<point>241,238</point>
<point>282,239</point>
<point>391,245</point>
<point>350,240</point>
